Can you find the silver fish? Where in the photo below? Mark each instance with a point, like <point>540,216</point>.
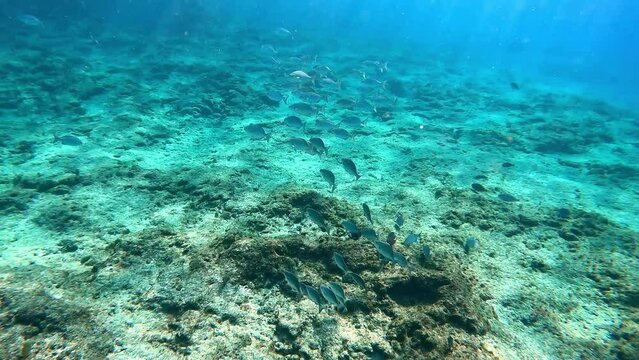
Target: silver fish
<point>30,20</point>
<point>292,280</point>
<point>400,259</point>
<point>385,250</point>
<point>355,278</point>
<point>340,262</point>
<point>329,295</point>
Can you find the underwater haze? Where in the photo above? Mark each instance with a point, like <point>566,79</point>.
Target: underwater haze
<point>319,179</point>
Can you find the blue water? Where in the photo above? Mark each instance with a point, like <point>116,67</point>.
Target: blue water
<point>319,179</point>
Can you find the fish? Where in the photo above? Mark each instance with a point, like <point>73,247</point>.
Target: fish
<point>268,49</point>
<point>350,226</point>
<point>256,132</point>
<point>341,133</point>
<point>300,75</point>
<point>329,81</point>
<point>399,221</point>
<point>426,252</point>
<point>384,249</point>
<point>352,122</point>
<point>355,278</point>
<point>275,96</point>
<point>329,295</point>
<point>400,259</point>
<point>324,125</point>
<point>370,234</point>
<point>411,239</point>
<point>346,102</point>
<point>319,145</point>
<point>470,244</point>
<point>313,295</point>
<point>507,164</point>
<point>300,144</point>
<point>340,262</point>
<point>514,86</point>
<point>477,187</point>
<point>563,213</point>
<point>507,197</point>
<point>338,290</point>
<point>329,177</point>
<point>294,122</point>
<point>283,33</point>
<point>391,238</point>
<point>350,167</point>
<point>292,280</point>
<point>367,213</point>
<point>30,20</point>
<point>317,218</point>
<point>309,96</point>
<point>67,140</point>
<point>303,108</point>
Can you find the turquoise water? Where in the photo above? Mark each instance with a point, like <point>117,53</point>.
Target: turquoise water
<point>319,180</point>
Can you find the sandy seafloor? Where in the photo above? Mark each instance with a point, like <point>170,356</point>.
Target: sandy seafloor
<point>163,236</point>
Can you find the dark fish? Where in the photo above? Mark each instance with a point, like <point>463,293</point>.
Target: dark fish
<point>302,145</point>
<point>68,140</point>
<point>350,227</point>
<point>304,109</point>
<point>514,86</point>
<point>563,213</point>
<point>507,197</point>
<point>350,168</point>
<point>411,239</point>
<point>329,295</point>
<point>313,295</point>
<point>352,122</point>
<point>507,164</point>
<point>317,218</point>
<point>391,238</point>
<point>275,96</point>
<point>370,234</point>
<point>384,249</point>
<point>341,133</point>
<point>324,125</point>
<point>338,291</point>
<point>355,278</point>
<point>478,187</point>
<point>292,280</point>
<point>400,259</point>
<point>294,122</point>
<point>329,177</point>
<point>426,252</point>
<point>256,132</point>
<point>319,145</point>
<point>470,244</point>
<point>340,262</point>
<point>399,221</point>
<point>367,213</point>
<point>310,97</point>
<point>364,105</point>
<point>348,103</point>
